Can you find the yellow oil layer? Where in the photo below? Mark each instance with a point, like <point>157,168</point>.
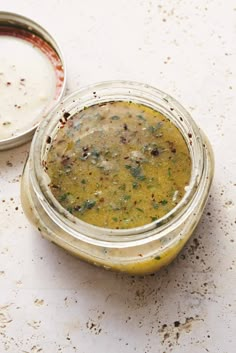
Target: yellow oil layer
<point>135,267</point>
<point>141,267</point>
<point>118,165</point>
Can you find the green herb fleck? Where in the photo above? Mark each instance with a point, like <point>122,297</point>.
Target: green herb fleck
<point>127,197</point>
<point>115,219</point>
<point>83,181</point>
<point>87,205</point>
<point>141,177</point>
<point>154,219</point>
<point>151,129</point>
<point>135,185</point>
<point>154,128</point>
<point>157,258</point>
<point>95,153</point>
<point>69,209</point>
<point>155,205</point>
<point>63,197</point>
<point>135,171</point>
<point>141,117</point>
<point>115,117</point>
<point>164,202</point>
<point>122,187</point>
<point>169,172</point>
<point>139,209</point>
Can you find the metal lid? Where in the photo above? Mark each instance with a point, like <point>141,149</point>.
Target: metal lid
<point>32,77</point>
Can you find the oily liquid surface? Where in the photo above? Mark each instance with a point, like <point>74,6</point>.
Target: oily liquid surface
<point>118,165</point>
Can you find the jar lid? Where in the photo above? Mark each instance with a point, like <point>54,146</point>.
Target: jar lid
<point>32,77</point>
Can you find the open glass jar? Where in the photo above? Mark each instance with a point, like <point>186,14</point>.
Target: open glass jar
<point>139,250</point>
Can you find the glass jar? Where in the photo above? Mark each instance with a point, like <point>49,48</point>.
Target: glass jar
<point>139,250</point>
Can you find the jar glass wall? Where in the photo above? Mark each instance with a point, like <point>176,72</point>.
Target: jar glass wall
<point>139,250</point>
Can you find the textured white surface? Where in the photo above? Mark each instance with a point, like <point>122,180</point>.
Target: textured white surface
<point>31,85</point>
<point>52,302</point>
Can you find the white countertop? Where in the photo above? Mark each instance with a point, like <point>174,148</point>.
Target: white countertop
<point>52,302</point>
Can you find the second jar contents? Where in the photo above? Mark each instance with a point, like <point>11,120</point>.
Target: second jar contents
<point>118,164</point>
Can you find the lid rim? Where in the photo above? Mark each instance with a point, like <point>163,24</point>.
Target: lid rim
<point>15,20</point>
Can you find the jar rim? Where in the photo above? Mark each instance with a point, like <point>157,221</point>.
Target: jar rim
<point>109,91</point>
